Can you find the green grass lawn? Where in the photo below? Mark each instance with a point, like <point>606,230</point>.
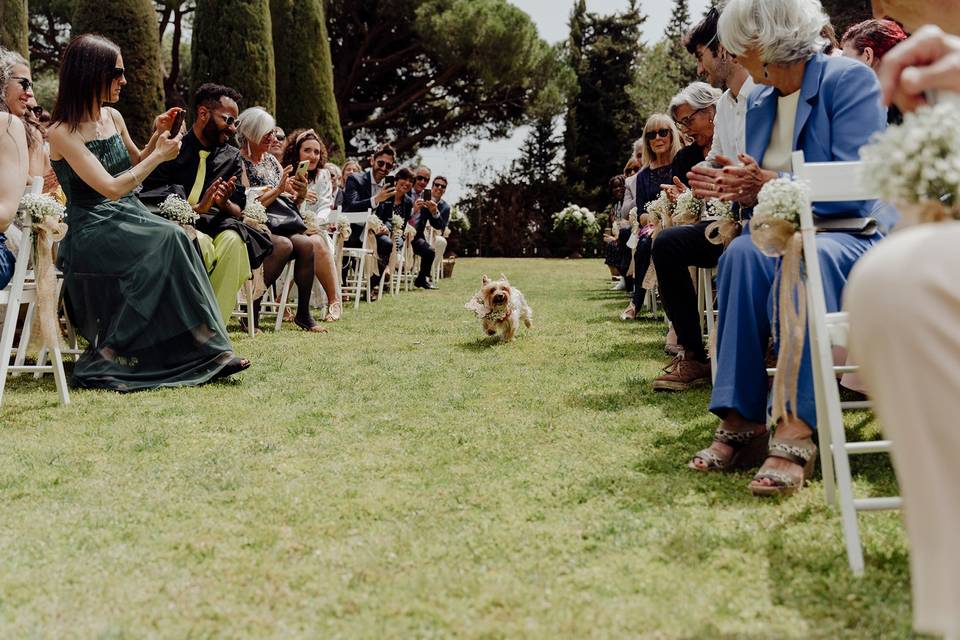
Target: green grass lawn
<point>404,477</point>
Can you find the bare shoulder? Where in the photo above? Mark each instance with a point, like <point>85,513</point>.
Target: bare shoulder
<point>12,124</point>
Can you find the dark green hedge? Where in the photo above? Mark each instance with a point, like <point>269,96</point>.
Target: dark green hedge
<point>304,71</point>
<point>133,26</point>
<point>233,45</point>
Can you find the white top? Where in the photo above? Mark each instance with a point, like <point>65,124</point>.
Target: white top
<point>779,151</point>
<point>323,188</point>
<point>730,123</point>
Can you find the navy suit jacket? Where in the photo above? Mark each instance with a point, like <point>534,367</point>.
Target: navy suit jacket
<point>444,210</point>
<point>358,194</point>
<point>838,112</point>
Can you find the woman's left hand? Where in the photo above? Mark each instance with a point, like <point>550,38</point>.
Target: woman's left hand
<point>298,184</point>
<point>742,183</point>
<point>164,121</point>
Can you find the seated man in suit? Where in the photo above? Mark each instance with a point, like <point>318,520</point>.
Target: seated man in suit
<point>206,173</point>
<point>440,242</point>
<point>426,210</point>
<point>365,191</point>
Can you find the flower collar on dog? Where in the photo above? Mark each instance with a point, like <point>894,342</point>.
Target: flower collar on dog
<point>479,307</point>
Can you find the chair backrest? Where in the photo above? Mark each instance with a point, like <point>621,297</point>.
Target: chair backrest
<point>832,181</point>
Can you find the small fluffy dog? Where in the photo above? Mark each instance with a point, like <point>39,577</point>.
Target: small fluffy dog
<point>500,308</point>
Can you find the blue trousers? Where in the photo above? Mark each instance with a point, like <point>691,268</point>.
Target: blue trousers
<point>745,300</point>
<point>7,262</point>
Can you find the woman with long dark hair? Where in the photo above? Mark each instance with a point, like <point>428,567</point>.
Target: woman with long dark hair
<point>305,146</point>
<point>136,288</point>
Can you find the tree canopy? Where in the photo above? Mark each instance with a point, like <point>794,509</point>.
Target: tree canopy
<point>422,72</point>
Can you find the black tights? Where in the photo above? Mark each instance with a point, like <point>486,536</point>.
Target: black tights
<point>298,248</point>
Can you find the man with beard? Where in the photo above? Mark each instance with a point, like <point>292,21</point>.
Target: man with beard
<point>206,174</point>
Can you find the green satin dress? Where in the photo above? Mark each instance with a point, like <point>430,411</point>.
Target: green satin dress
<point>136,289</point>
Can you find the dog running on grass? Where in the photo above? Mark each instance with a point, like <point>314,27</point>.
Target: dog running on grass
<point>500,308</point>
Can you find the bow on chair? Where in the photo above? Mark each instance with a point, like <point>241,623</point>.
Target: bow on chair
<point>45,234</point>
<point>409,233</point>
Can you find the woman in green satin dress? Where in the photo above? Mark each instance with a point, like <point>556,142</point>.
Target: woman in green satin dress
<point>136,289</point>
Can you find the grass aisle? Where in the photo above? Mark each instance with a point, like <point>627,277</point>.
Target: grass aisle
<point>400,477</point>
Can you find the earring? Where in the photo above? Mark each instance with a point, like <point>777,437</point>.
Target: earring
<point>766,75</point>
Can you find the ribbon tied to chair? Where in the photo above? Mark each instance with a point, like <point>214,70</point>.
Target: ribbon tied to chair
<point>45,234</point>
<point>779,238</point>
<point>723,231</point>
<point>409,233</point>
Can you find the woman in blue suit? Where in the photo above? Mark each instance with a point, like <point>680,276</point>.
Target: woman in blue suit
<point>828,108</point>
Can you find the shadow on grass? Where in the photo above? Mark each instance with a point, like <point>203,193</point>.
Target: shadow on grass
<point>480,344</point>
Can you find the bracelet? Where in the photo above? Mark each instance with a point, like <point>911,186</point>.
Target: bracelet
<point>136,180</point>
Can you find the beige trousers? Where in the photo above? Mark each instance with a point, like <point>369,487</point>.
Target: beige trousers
<point>904,302</point>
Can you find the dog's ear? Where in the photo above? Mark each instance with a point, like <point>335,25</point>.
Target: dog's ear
<point>485,280</point>
<point>504,278</point>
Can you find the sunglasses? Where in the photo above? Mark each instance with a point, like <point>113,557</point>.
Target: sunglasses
<point>24,82</point>
<point>227,120</point>
<point>422,179</point>
<point>117,73</point>
<point>439,185</point>
<point>383,164</point>
<point>280,137</point>
<point>659,133</point>
<point>37,111</point>
<point>686,122</point>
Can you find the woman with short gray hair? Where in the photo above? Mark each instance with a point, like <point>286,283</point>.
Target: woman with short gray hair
<point>826,107</point>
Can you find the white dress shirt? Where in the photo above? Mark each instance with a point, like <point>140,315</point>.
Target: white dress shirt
<point>729,125</point>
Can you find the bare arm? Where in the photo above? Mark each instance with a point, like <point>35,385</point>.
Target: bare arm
<point>70,146</point>
<point>13,168</point>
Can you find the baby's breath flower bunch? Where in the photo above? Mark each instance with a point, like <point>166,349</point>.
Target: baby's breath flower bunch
<point>721,209</point>
<point>576,218</point>
<point>255,211</point>
<point>688,208</point>
<point>343,227</point>
<point>661,209</point>
<point>396,223</point>
<point>35,207</point>
<point>918,162</point>
<point>375,223</point>
<point>176,209</point>
<point>782,198</point>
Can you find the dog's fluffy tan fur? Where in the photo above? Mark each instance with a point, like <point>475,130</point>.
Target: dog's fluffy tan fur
<point>505,307</point>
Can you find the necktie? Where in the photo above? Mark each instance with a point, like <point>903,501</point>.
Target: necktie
<point>197,191</point>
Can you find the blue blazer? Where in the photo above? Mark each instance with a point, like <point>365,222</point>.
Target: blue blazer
<point>838,112</point>
<point>358,192</point>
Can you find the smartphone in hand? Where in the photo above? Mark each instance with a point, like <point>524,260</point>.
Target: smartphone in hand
<point>177,122</point>
<point>389,182</point>
<point>302,168</point>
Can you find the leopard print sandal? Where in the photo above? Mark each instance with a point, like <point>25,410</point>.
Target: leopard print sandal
<point>802,452</point>
<point>749,450</point>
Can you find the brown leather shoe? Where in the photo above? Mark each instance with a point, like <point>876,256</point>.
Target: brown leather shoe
<point>681,375</point>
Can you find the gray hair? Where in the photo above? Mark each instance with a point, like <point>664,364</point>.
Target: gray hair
<point>638,146</point>
<point>698,95</point>
<point>333,169</point>
<point>782,31</point>
<point>8,60</point>
<point>254,123</point>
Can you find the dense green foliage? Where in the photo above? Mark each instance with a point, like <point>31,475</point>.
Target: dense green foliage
<point>13,25</point>
<point>601,120</point>
<point>403,477</point>
<point>49,32</point>
<point>133,26</point>
<point>304,73</point>
<point>233,45</point>
<point>683,68</point>
<point>422,72</point>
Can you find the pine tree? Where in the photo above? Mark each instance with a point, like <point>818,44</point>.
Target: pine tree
<point>233,45</point>
<point>132,24</point>
<point>13,26</point>
<point>684,69</point>
<point>304,72</point>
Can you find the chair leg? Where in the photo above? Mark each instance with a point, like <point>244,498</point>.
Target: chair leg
<point>41,361</point>
<point>358,278</point>
<point>59,376</point>
<point>248,294</point>
<point>24,343</point>
<point>285,291</point>
<point>6,341</point>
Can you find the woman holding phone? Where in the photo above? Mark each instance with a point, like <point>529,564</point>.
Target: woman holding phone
<point>263,173</point>
<point>136,289</point>
<point>304,146</point>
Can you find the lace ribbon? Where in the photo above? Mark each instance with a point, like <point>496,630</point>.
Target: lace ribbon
<point>723,231</point>
<point>779,238</point>
<point>46,233</point>
<point>409,233</point>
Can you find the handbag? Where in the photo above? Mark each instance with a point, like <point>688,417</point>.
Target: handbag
<point>283,218</point>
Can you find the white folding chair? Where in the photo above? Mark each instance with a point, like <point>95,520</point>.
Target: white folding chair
<point>835,182</point>
<point>356,282</point>
<point>18,292</point>
<point>244,308</point>
<point>708,314</point>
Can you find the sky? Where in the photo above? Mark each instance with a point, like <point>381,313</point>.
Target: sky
<point>461,163</point>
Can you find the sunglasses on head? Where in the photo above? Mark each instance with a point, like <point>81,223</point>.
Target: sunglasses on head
<point>659,133</point>
<point>384,164</point>
<point>24,82</point>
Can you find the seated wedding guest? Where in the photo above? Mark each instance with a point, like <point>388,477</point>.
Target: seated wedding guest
<point>614,217</point>
<point>336,190</point>
<point>694,110</point>
<point>136,289</point>
<point>264,174</point>
<point>13,171</point>
<point>907,344</point>
<point>416,213</point>
<point>18,99</point>
<point>827,107</point>
<point>869,41</point>
<point>438,190</point>
<point>625,283</point>
<point>276,147</point>
<point>365,191</point>
<point>350,167</point>
<point>206,173</point>
<point>421,182</point>
<point>306,146</point>
<point>661,144</point>
<point>632,167</point>
<point>679,248</point>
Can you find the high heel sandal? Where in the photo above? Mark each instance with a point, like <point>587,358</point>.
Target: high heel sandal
<point>802,452</point>
<point>749,450</point>
<point>334,311</point>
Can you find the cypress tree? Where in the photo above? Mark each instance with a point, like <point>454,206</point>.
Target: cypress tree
<point>233,45</point>
<point>13,26</point>
<point>304,71</point>
<point>132,24</point>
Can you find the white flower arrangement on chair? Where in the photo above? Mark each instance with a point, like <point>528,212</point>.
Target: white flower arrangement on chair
<point>37,207</point>
<point>176,209</point>
<point>45,217</point>
<point>343,227</point>
<point>916,165</point>
<point>255,214</point>
<point>688,209</point>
